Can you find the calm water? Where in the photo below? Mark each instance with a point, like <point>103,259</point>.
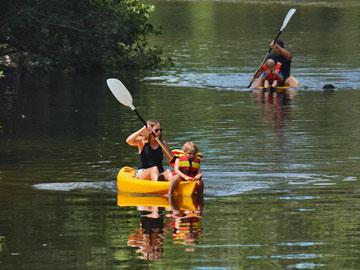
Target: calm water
<point>282,181</point>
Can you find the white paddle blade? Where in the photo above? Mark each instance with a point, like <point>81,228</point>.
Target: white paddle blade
<point>287,18</point>
<point>120,92</point>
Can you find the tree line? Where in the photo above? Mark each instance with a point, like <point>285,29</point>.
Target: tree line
<point>82,36</point>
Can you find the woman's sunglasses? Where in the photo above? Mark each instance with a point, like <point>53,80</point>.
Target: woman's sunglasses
<point>158,129</point>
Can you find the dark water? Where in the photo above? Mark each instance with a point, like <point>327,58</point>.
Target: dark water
<point>282,181</point>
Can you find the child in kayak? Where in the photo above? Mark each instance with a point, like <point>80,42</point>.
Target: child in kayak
<point>187,168</point>
<point>271,76</point>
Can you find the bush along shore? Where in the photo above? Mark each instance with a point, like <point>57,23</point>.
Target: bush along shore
<point>83,36</point>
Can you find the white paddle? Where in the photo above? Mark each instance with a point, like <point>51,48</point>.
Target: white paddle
<point>124,97</point>
<point>121,93</point>
<point>286,21</point>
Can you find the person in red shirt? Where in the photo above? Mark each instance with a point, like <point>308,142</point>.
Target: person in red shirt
<point>271,76</point>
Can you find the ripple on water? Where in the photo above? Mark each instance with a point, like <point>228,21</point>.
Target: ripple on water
<point>229,246</point>
<point>212,267</point>
<point>301,244</point>
<point>214,80</point>
<point>227,79</point>
<point>350,179</point>
<point>309,265</point>
<point>100,185</point>
<point>298,198</point>
<point>233,183</point>
<point>297,256</point>
<point>234,188</point>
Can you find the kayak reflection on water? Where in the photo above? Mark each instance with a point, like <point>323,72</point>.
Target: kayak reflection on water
<point>179,217</point>
<point>149,238</point>
<point>186,224</point>
<point>275,105</point>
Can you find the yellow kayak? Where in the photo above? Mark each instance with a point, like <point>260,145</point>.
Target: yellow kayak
<point>126,182</point>
<point>279,89</point>
<point>184,203</point>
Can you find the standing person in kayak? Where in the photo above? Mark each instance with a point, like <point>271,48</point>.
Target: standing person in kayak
<point>151,153</point>
<point>283,56</point>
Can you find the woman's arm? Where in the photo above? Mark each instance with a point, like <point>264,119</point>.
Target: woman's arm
<point>137,138</point>
<point>279,50</point>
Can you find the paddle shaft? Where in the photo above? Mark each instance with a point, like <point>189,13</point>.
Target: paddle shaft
<point>164,148</point>
<point>123,95</point>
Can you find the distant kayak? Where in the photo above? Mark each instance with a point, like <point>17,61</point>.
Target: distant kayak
<point>279,89</point>
<point>127,182</point>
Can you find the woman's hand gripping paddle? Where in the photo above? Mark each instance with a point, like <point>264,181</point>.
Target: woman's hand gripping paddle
<point>286,21</point>
<point>124,97</point>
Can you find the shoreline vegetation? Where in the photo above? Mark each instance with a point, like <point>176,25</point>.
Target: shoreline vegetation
<point>83,36</point>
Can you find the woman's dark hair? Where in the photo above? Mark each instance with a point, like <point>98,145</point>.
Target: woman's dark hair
<point>280,43</point>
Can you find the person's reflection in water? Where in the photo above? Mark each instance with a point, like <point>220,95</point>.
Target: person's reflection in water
<point>149,238</point>
<point>1,240</point>
<point>7,65</point>
<point>275,106</point>
<point>10,105</point>
<point>186,224</point>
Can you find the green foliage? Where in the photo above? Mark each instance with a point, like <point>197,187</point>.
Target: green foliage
<point>78,36</point>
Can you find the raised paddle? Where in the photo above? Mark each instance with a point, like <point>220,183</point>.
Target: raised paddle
<point>124,97</point>
<point>286,21</point>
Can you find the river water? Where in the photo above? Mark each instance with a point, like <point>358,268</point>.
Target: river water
<point>282,180</point>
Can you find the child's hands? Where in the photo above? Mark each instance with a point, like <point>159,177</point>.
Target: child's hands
<point>188,178</point>
<point>197,177</point>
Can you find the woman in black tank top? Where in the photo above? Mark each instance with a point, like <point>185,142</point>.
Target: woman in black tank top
<point>151,153</point>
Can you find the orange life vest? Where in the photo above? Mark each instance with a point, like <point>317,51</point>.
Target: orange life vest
<point>278,65</point>
<point>272,76</point>
<point>177,153</point>
<point>189,168</point>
